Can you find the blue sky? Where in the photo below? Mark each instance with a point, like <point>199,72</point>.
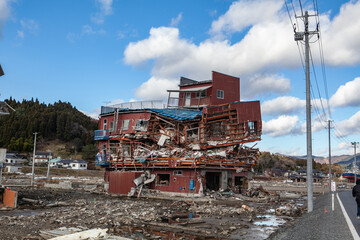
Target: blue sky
<point>97,52</point>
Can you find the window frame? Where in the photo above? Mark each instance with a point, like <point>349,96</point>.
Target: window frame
<point>252,126</point>
<point>220,94</point>
<point>201,94</point>
<point>141,125</point>
<point>125,127</point>
<point>159,179</point>
<point>178,172</point>
<point>104,124</point>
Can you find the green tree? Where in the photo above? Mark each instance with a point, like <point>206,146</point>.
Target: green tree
<point>89,151</point>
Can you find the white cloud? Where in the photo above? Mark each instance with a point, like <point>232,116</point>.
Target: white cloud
<point>4,13</point>
<point>341,36</point>
<point>347,95</point>
<point>88,30</point>
<point>344,148</point>
<point>20,34</point>
<point>105,10</point>
<point>30,25</point>
<point>176,21</point>
<point>94,114</point>
<point>282,106</point>
<point>283,125</point>
<point>146,90</point>
<point>350,126</point>
<point>266,47</point>
<point>316,126</point>
<point>264,83</point>
<point>245,13</point>
<point>344,145</point>
<point>85,30</point>
<point>174,57</point>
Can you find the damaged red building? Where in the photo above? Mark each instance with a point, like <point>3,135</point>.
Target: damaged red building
<point>193,144</point>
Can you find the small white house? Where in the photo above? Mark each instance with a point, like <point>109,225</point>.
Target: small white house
<point>79,165</point>
<point>43,157</point>
<point>14,159</point>
<point>69,164</point>
<point>54,162</point>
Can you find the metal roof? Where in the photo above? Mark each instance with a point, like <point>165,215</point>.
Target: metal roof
<point>178,114</point>
<point>197,89</point>
<point>174,113</point>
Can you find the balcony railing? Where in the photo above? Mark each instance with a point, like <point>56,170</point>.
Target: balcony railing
<point>102,160</point>
<point>101,135</point>
<point>174,102</point>
<point>157,104</point>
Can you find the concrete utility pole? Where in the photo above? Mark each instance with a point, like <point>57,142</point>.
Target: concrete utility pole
<point>299,36</point>
<point>330,176</point>
<point>48,170</point>
<point>330,180</point>
<point>33,162</point>
<point>355,167</point>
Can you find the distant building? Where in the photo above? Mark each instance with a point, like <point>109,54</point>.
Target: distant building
<point>43,157</point>
<point>14,159</point>
<point>70,164</point>
<point>12,169</point>
<point>79,165</point>
<point>54,161</point>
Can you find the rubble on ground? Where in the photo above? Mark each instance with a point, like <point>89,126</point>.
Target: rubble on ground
<point>149,217</point>
<point>260,193</point>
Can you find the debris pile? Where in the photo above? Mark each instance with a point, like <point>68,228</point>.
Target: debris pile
<point>290,209</point>
<point>260,193</point>
<point>49,209</point>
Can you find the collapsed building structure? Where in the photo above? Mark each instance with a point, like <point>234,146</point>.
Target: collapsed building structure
<point>194,144</point>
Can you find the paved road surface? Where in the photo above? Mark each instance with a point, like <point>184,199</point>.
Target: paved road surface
<point>322,223</point>
<point>350,207</point>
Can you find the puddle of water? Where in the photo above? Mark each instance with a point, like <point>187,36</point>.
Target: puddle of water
<point>21,212</point>
<point>270,221</point>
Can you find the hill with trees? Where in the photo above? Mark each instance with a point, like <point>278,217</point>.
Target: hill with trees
<point>59,121</point>
<point>268,161</point>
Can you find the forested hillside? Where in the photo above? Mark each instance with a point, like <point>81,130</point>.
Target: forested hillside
<point>59,121</point>
<point>268,161</point>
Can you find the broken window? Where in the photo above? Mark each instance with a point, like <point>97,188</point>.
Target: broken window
<point>220,94</point>
<point>163,179</point>
<point>125,125</point>
<point>239,181</point>
<point>105,124</point>
<point>216,129</point>
<point>201,94</point>
<point>111,126</point>
<point>252,127</point>
<point>212,180</point>
<point>141,125</point>
<point>177,172</point>
<point>104,149</point>
<point>126,150</point>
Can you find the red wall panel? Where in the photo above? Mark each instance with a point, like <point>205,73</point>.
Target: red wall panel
<point>178,183</point>
<point>122,182</point>
<point>229,84</point>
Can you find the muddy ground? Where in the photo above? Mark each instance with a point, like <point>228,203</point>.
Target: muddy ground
<point>227,217</point>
